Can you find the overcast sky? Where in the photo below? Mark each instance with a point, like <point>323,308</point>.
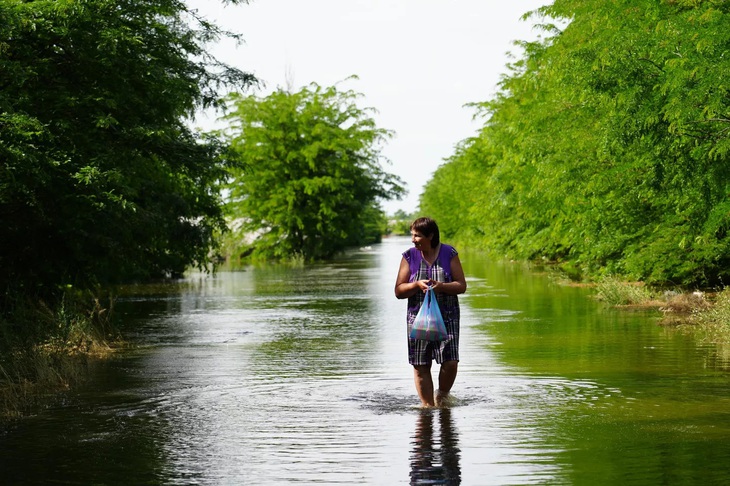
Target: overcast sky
<point>418,63</point>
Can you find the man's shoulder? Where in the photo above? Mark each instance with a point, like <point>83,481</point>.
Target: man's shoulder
<point>449,250</point>
<point>411,253</point>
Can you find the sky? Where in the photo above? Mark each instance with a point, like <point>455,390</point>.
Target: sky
<point>418,62</point>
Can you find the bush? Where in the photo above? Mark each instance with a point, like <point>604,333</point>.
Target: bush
<point>614,291</point>
<point>45,346</point>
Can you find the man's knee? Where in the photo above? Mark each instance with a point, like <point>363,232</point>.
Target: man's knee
<point>422,368</point>
<point>449,366</point>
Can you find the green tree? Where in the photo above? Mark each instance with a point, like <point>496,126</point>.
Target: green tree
<point>399,223</point>
<point>311,177</point>
<point>606,146</point>
<point>101,178</point>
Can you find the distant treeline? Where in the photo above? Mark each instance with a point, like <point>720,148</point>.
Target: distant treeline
<point>606,147</point>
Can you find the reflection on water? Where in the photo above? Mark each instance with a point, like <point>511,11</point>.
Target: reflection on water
<point>435,455</point>
<point>299,375</point>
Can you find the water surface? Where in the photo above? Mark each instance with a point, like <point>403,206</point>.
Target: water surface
<point>284,375</point>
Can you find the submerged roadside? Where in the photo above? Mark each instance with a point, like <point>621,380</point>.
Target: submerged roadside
<point>47,347</point>
<point>702,313</point>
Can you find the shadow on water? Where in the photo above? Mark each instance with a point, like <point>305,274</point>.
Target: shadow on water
<point>435,450</point>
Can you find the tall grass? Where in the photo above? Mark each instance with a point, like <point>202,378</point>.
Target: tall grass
<point>614,291</point>
<point>711,323</point>
<point>45,347</point>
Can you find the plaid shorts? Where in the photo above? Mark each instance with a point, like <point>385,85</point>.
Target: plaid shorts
<point>423,352</point>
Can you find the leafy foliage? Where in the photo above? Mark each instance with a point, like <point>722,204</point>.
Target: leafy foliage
<point>607,146</point>
<point>310,176</point>
<point>101,179</point>
<point>399,223</point>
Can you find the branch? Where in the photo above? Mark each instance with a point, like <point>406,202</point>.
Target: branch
<point>645,59</point>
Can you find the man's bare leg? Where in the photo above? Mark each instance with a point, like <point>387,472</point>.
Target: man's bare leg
<point>424,384</point>
<point>447,376</point>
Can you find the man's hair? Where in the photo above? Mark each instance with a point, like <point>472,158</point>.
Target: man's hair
<point>428,227</point>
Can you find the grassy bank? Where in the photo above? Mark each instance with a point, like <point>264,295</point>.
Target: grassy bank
<point>46,348</point>
<point>705,314</point>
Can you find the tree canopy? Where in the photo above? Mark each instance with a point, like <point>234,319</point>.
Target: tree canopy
<point>606,147</point>
<point>101,178</point>
<point>309,177</point>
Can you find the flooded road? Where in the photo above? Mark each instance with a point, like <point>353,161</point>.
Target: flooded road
<point>283,375</point>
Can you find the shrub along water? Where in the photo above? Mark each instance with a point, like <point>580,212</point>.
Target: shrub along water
<point>606,147</point>
<point>42,349</point>
<point>102,177</point>
<point>705,315</point>
<point>605,150</point>
<point>615,291</point>
<point>711,321</point>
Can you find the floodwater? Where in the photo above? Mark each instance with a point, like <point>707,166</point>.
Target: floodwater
<point>285,375</point>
